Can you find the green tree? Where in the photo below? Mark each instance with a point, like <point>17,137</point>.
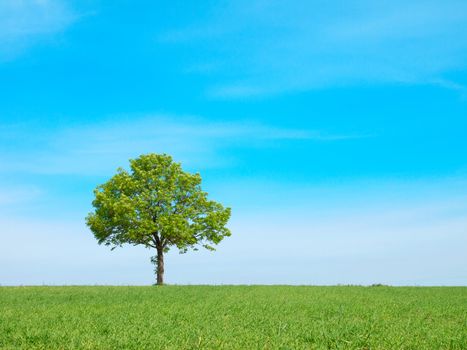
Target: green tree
<point>158,205</point>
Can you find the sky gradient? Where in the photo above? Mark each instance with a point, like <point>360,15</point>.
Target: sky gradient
<point>335,130</point>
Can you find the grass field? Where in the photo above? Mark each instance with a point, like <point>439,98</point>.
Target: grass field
<point>233,317</point>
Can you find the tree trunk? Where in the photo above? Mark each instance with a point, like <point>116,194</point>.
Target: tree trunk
<point>160,266</point>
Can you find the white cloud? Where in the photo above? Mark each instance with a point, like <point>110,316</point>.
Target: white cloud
<point>421,242</point>
<point>102,147</point>
<point>272,47</point>
<point>15,195</point>
<point>24,23</point>
<point>448,84</point>
<point>65,252</point>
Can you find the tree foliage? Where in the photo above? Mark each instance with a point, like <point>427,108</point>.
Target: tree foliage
<point>158,205</point>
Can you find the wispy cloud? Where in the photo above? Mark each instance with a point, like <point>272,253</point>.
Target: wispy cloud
<point>381,238</point>
<point>17,195</point>
<point>273,47</point>
<point>24,23</point>
<point>101,147</point>
<point>451,85</point>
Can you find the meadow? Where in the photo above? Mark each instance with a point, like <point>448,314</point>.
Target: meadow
<point>233,317</point>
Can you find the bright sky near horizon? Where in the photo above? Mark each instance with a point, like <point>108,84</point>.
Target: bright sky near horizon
<point>336,131</point>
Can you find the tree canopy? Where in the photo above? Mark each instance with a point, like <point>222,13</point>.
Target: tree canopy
<point>158,205</point>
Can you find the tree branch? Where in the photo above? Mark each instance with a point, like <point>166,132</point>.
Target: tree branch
<point>156,239</point>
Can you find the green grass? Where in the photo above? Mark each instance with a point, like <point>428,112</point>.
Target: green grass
<point>233,317</point>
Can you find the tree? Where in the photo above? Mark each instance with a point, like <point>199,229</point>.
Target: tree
<point>158,205</point>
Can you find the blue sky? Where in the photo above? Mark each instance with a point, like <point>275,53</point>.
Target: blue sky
<point>336,131</point>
